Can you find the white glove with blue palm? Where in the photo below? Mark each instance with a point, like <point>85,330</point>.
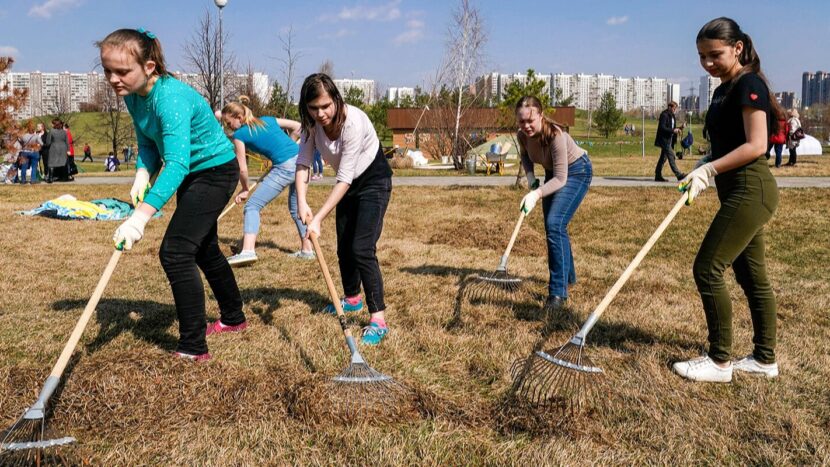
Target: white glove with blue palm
<point>697,181</point>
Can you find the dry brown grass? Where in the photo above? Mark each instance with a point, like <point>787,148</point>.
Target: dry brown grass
<point>129,403</point>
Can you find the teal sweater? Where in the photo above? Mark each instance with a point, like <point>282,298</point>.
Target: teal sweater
<point>174,125</point>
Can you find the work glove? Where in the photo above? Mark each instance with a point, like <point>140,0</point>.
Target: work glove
<point>141,186</point>
<point>532,182</point>
<point>697,181</point>
<point>131,231</point>
<point>529,202</point>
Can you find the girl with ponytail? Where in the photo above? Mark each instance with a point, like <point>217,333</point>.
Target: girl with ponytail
<point>739,121</point>
<point>176,128</point>
<point>264,136</point>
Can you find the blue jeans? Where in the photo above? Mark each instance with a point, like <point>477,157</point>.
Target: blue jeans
<point>270,187</point>
<point>317,164</point>
<point>558,210</point>
<point>32,159</point>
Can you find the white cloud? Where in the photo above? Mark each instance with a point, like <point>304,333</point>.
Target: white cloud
<point>414,31</point>
<point>49,7</point>
<point>8,51</point>
<point>385,12</point>
<point>616,20</point>
<point>341,33</point>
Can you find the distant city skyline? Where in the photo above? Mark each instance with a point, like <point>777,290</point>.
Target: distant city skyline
<point>399,43</point>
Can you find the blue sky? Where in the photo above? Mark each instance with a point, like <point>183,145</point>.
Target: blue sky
<point>400,42</point>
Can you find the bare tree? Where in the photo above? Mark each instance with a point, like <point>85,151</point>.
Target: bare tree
<point>465,52</point>
<point>289,64</point>
<point>202,53</point>
<point>327,67</point>
<point>113,123</point>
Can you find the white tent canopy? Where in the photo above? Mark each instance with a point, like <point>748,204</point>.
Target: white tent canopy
<point>809,146</point>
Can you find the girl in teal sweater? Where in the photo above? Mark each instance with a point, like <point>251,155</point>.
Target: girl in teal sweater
<point>175,127</point>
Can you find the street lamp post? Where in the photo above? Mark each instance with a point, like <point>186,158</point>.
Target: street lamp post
<point>221,4</point>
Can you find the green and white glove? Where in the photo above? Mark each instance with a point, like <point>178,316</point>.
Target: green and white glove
<point>529,201</point>
<point>141,185</point>
<point>697,181</point>
<point>131,231</point>
<point>532,182</point>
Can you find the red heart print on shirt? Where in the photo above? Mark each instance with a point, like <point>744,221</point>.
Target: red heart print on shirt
<point>753,96</point>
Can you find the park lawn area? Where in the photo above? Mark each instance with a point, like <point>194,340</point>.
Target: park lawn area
<point>129,402</point>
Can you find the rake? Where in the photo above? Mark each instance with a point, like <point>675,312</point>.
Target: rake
<point>359,390</point>
<point>233,204</point>
<point>565,377</point>
<point>24,441</point>
<point>499,285</point>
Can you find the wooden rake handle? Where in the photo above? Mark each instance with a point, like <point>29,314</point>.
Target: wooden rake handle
<point>586,328</point>
<point>335,299</point>
<point>233,203</point>
<point>503,262</point>
<point>60,366</point>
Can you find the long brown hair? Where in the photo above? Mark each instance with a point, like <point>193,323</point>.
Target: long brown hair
<point>313,87</point>
<point>144,46</point>
<point>728,31</point>
<point>550,128</point>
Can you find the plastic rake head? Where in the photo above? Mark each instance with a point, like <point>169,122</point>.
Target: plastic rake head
<point>564,379</point>
<point>495,287</point>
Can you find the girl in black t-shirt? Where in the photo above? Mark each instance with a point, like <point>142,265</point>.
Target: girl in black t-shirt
<point>738,122</point>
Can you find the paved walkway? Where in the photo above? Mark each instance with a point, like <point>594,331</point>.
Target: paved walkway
<point>621,181</point>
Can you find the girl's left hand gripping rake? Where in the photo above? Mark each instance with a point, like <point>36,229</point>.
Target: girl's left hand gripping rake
<point>25,437</point>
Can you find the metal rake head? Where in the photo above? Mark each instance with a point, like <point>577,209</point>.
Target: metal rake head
<point>25,442</point>
<point>564,379</point>
<point>498,286</point>
<point>363,394</point>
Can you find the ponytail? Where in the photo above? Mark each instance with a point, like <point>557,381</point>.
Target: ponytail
<point>241,111</point>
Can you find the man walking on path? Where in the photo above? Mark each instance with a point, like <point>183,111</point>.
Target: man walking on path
<point>666,137</point>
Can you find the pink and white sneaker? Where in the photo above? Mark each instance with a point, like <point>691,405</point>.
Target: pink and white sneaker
<point>217,327</point>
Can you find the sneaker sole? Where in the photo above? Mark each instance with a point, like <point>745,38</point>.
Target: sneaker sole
<point>759,374</point>
<point>242,262</point>
<point>698,380</point>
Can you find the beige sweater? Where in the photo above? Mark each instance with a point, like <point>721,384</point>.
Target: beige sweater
<point>556,158</point>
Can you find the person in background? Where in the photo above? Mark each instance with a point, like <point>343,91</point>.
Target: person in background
<point>71,168</point>
<point>793,124</point>
<point>87,153</point>
<point>317,166</point>
<point>777,139</point>
<point>58,144</point>
<point>30,144</point>
<point>665,139</point>
<point>111,163</point>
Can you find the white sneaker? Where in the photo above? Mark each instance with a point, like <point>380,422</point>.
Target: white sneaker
<point>703,369</point>
<point>243,258</point>
<point>749,365</point>
<point>303,254</point>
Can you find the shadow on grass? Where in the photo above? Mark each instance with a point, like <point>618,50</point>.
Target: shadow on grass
<point>146,320</point>
<point>235,245</point>
<point>270,299</point>
<point>524,303</point>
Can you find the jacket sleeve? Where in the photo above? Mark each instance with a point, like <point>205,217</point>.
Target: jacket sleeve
<point>174,120</point>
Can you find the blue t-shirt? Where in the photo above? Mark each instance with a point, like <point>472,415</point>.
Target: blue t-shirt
<point>174,125</point>
<point>269,141</point>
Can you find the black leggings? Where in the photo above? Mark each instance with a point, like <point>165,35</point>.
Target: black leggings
<point>359,224</point>
<point>191,244</point>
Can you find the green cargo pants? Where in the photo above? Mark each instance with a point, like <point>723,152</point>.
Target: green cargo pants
<point>748,197</point>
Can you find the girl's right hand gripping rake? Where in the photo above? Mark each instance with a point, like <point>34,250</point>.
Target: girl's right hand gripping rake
<point>564,377</point>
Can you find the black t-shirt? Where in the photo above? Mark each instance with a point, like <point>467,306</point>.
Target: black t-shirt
<point>724,120</point>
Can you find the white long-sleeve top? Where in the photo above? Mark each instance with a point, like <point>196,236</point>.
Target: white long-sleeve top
<point>350,154</point>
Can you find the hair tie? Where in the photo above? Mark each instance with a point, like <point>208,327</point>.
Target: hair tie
<point>147,33</point>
